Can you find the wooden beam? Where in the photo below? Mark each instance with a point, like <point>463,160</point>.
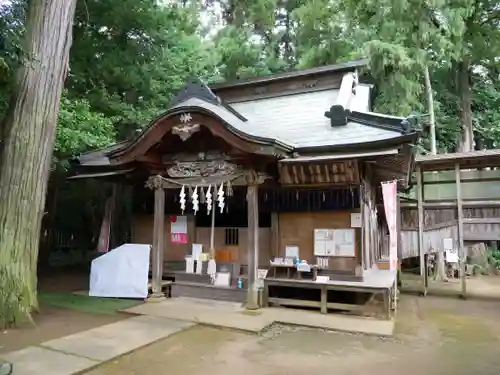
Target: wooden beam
<point>460,232</point>
<point>284,170</point>
<point>486,220</point>
<point>327,173</point>
<point>453,204</point>
<point>303,175</point>
<point>295,174</point>
<point>158,237</point>
<point>312,174</point>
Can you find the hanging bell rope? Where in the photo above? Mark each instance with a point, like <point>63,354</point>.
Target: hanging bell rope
<point>229,189</point>
<point>202,196</point>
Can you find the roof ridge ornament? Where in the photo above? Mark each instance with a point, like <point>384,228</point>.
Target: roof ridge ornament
<point>337,115</point>
<point>195,88</point>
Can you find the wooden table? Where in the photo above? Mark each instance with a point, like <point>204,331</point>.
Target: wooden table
<point>290,268</point>
<point>386,291</point>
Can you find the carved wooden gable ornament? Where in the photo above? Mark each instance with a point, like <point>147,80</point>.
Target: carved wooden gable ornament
<point>186,128</point>
<point>209,164</point>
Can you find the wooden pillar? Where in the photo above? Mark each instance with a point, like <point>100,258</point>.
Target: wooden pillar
<point>158,237</point>
<point>400,245</point>
<point>253,246</point>
<point>460,219</point>
<point>421,250</point>
<point>275,234</point>
<point>362,229</point>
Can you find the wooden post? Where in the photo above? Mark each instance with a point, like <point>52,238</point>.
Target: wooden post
<point>421,250</point>
<point>253,245</point>
<point>361,229</point>
<point>275,234</point>
<point>397,284</point>
<point>158,237</point>
<point>212,233</point>
<point>460,218</point>
<point>364,227</point>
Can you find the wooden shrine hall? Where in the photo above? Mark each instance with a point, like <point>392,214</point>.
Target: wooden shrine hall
<point>265,190</point>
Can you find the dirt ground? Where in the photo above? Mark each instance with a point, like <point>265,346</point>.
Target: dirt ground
<point>434,336</point>
<point>64,281</point>
<point>54,322</point>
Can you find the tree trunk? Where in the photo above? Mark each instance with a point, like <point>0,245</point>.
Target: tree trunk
<point>440,268</point>
<point>430,106</point>
<point>30,126</point>
<point>464,86</point>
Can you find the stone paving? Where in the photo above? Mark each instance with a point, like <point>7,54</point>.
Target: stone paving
<point>234,316</point>
<point>85,350</point>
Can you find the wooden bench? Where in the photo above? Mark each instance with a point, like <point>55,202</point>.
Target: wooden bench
<point>323,304</point>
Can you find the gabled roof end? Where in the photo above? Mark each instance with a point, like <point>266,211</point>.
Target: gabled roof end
<point>195,88</point>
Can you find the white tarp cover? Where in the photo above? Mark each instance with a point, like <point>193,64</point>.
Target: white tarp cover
<point>121,273</point>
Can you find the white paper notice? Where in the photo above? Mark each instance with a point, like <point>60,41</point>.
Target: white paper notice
<point>344,242</point>
<point>451,256</point>
<point>448,244</point>
<point>291,251</point>
<point>222,279</point>
<point>179,225</point>
<point>356,220</point>
<point>196,251</point>
<point>322,279</point>
<point>189,265</point>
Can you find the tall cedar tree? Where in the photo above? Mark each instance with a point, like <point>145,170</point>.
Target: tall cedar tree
<point>28,135</point>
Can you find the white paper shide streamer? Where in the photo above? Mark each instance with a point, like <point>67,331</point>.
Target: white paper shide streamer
<point>208,198</point>
<point>208,195</point>
<point>220,197</point>
<point>182,199</point>
<point>195,201</point>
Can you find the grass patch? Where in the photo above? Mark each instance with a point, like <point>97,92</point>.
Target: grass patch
<point>95,305</point>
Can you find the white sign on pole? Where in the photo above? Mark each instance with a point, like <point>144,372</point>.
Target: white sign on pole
<point>389,193</point>
<point>448,243</point>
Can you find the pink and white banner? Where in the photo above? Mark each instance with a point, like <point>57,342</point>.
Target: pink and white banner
<point>178,230</point>
<point>389,194</point>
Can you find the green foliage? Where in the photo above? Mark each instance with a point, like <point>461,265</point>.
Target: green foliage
<point>494,258</point>
<point>128,60</point>
<point>10,47</point>
<point>79,129</point>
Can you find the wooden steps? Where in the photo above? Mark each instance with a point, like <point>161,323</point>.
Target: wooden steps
<point>207,291</point>
<point>181,276</point>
